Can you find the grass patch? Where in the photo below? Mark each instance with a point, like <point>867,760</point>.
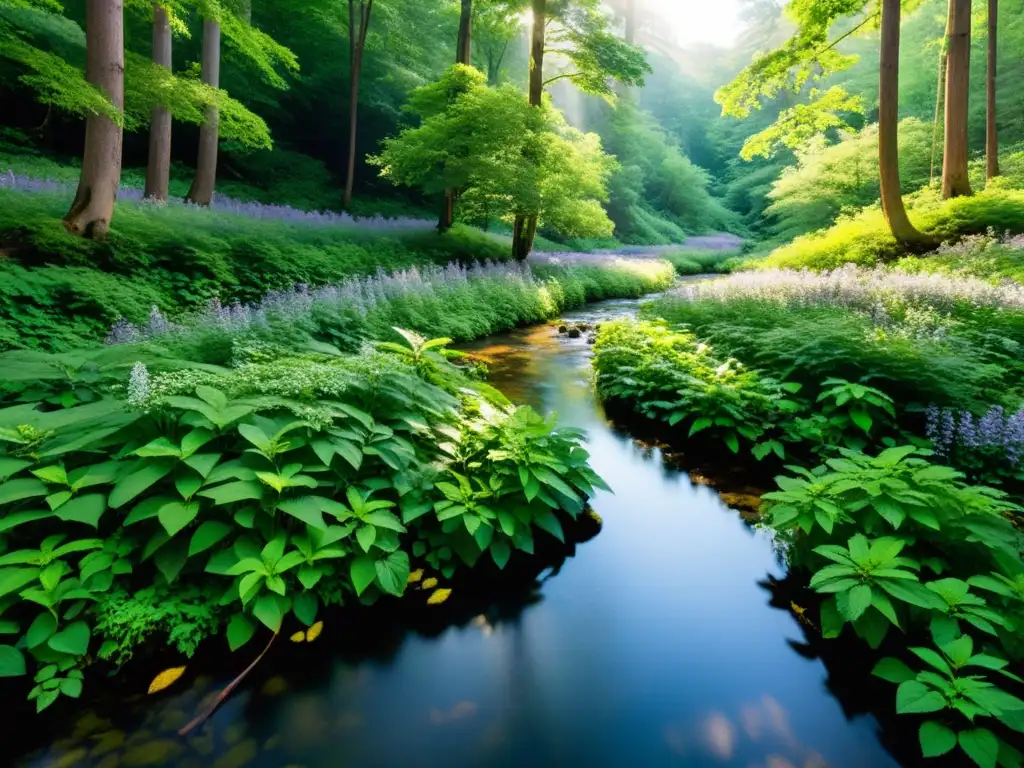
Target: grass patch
<point>864,238</point>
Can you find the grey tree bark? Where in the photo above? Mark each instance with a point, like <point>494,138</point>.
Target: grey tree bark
<point>93,206</point>
<point>991,131</point>
<point>158,167</point>
<point>201,191</point>
<point>955,181</point>
<point>888,127</point>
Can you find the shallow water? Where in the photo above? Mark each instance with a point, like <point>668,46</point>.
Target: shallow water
<point>655,645</point>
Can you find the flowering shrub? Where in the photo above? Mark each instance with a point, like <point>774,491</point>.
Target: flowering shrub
<point>223,204</point>
<point>990,447</point>
<point>456,301</point>
<point>853,287</point>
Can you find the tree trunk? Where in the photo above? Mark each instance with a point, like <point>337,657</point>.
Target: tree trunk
<point>940,85</point>
<point>525,229</point>
<point>888,126</point>
<point>955,181</point>
<point>201,191</point>
<point>93,206</point>
<point>357,28</point>
<point>631,22</point>
<point>991,132</point>
<point>463,55</point>
<point>158,168</point>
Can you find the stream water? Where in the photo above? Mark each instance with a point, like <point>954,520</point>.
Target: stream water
<point>655,645</point>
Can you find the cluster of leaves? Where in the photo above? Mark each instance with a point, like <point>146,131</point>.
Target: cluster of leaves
<point>669,376</point>
<point>895,540</point>
<point>507,157</point>
<point>215,496</point>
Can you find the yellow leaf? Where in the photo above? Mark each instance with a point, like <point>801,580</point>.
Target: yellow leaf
<point>415,576</point>
<point>439,596</point>
<point>298,637</point>
<point>429,583</point>
<point>166,679</point>
<point>314,632</point>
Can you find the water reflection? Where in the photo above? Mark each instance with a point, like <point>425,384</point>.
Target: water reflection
<point>654,645</point>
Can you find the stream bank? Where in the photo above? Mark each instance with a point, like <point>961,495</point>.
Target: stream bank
<point>656,644</point>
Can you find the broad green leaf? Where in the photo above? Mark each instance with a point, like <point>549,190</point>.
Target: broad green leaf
<point>130,486</point>
<point>366,535</point>
<point>853,603</point>
<point>393,572</point>
<point>304,606</point>
<point>15,519</point>
<point>981,745</point>
<point>546,520</point>
<point>73,639</point>
<point>13,579</point>
<point>363,572</point>
<point>700,424</point>
<point>170,559</point>
<point>84,509</point>
<point>176,515</point>
<point>229,493</point>
<point>162,446</point>
<point>831,620</point>
<point>12,663</point>
<point>203,463</point>
<point>240,631</point>
<point>54,474</point>
<point>195,440</point>
<point>309,576</point>
<point>10,466</point>
<point>308,509</point>
<point>930,657</point>
<point>936,739</point>
<point>500,552</point>
<point>893,670</point>
<point>187,485</point>
<point>41,629</point>
<point>147,509</point>
<point>269,609</point>
<point>22,488</point>
<point>207,535</point>
<point>914,697</point>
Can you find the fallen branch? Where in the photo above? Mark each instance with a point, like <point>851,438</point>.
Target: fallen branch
<point>222,696</point>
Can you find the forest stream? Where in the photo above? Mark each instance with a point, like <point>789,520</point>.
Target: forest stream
<point>654,645</point>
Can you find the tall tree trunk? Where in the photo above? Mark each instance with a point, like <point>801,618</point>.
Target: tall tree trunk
<point>357,27</point>
<point>524,230</point>
<point>631,22</point>
<point>888,126</point>
<point>463,55</point>
<point>955,181</point>
<point>991,132</point>
<point>940,86</point>
<point>201,191</point>
<point>93,206</point>
<point>158,167</point>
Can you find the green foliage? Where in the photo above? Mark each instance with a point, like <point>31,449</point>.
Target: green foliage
<point>962,367</point>
<point>801,123</point>
<point>863,238</point>
<point>178,259</point>
<point>696,261</point>
<point>910,517</point>
<point>832,179</point>
<point>242,497</point>
<point>504,156</point>
<point>596,55</point>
